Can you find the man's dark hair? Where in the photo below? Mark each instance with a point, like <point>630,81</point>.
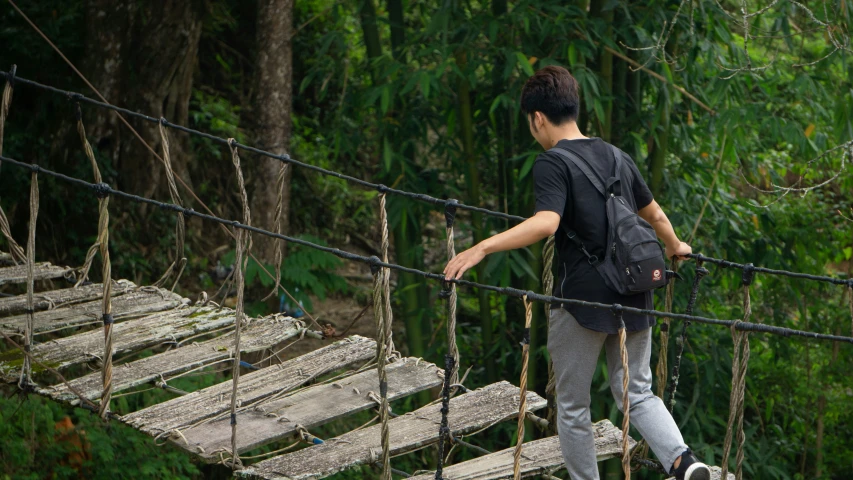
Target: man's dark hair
<point>554,92</point>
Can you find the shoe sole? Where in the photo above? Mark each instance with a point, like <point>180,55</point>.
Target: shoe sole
<point>697,471</point>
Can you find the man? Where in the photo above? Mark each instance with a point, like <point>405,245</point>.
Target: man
<point>566,200</point>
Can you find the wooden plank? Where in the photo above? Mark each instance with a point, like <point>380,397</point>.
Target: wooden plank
<point>137,303</point>
<point>185,411</point>
<point>127,337</point>
<point>43,271</point>
<point>260,334</point>
<point>61,298</point>
<point>309,408</point>
<point>468,413</point>
<point>537,457</point>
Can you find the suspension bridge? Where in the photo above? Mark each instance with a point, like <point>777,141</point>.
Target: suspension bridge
<point>277,398</point>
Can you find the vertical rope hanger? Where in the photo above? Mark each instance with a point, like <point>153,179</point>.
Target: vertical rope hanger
<point>444,429</point>
<point>180,260</point>
<point>740,362</point>
<point>278,226</point>
<point>548,289</point>
<point>18,255</point>
<point>661,370</point>
<point>26,380</point>
<point>626,404</point>
<point>101,245</point>
<point>388,316</point>
<point>452,348</point>
<point>244,244</point>
<point>381,359</point>
<point>522,403</point>
<point>676,368</point>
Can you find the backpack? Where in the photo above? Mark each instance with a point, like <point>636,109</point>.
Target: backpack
<point>634,260</point>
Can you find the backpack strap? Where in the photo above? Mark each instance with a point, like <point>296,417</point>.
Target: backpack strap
<point>596,182</point>
<point>583,166</point>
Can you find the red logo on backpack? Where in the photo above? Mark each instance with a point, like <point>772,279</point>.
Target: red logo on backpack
<point>656,275</point>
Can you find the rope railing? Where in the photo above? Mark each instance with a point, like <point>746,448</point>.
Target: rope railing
<point>103,188</point>
<point>78,97</point>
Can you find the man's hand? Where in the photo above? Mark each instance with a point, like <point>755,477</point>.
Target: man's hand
<point>678,250</point>
<point>464,261</point>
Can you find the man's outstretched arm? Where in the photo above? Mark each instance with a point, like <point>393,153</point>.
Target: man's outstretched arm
<point>653,214</point>
<point>526,233</point>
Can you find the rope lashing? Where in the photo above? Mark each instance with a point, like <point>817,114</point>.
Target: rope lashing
<point>180,261</point>
<point>26,380</point>
<point>244,244</point>
<point>548,288</point>
<point>522,402</point>
<point>691,303</point>
<point>18,255</point>
<point>382,354</point>
<point>96,172</point>
<point>278,226</point>
<point>452,348</point>
<point>444,430</point>
<point>506,291</point>
<point>740,362</point>
<point>626,403</point>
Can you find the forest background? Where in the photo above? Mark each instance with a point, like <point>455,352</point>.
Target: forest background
<point>739,114</point>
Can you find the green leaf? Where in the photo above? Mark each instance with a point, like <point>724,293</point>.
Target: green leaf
<point>387,154</point>
<point>525,65</point>
<point>385,100</point>
<point>848,252</point>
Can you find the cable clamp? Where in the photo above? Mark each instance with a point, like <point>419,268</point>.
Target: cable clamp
<point>163,121</point>
<point>748,274</point>
<point>701,271</point>
<point>381,188</point>
<point>450,207</point>
<point>446,289</point>
<point>108,319</point>
<point>102,190</point>
<point>374,265</point>
<point>617,309</point>
<point>11,77</point>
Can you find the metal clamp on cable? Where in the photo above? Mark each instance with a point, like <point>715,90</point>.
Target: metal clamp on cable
<point>748,274</point>
<point>450,211</point>
<point>102,190</point>
<point>381,188</point>
<point>108,319</point>
<point>446,289</point>
<point>374,265</point>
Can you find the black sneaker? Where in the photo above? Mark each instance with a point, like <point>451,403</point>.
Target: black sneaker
<point>691,469</point>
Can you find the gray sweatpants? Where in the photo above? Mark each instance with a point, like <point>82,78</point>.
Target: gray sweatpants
<point>574,351</point>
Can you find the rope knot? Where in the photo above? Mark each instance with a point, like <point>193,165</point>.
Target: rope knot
<point>284,157</point>
<point>617,309</point>
<point>102,190</point>
<point>748,274</point>
<point>232,143</point>
<point>163,121</point>
<point>108,319</point>
<point>701,271</point>
<point>450,211</point>
<point>381,188</point>
<point>374,265</point>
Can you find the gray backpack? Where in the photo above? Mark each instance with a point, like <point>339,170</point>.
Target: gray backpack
<point>634,259</point>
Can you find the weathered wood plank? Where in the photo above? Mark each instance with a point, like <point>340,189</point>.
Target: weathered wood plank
<point>61,298</point>
<point>258,335</point>
<point>43,271</point>
<point>127,337</point>
<point>187,410</point>
<point>311,407</point>
<point>468,413</point>
<point>137,303</point>
<point>538,457</point>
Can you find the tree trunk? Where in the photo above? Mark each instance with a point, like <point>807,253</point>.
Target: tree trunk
<point>162,39</point>
<point>272,110</point>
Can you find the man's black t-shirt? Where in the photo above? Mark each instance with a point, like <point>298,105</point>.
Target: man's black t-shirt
<point>563,188</point>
